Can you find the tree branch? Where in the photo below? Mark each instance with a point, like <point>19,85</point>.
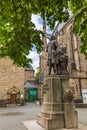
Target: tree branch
<point>14,7</point>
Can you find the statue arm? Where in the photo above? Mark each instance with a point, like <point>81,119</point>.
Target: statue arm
<point>47,48</point>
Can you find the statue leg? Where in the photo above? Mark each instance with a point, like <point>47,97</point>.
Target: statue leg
<point>57,69</point>
<point>54,68</point>
<point>49,70</point>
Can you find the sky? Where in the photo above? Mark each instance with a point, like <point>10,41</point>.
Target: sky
<point>33,54</point>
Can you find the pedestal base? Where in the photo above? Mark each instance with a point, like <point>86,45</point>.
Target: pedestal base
<point>52,123</point>
<point>55,113</point>
<point>59,119</point>
<point>71,120</point>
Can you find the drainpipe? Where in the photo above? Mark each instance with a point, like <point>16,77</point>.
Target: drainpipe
<point>80,88</point>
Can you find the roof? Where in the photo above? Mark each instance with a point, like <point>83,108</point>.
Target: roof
<point>60,26</point>
<point>29,68</point>
<point>31,84</point>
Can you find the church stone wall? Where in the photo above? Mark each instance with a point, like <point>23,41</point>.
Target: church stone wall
<point>10,76</point>
<point>78,76</point>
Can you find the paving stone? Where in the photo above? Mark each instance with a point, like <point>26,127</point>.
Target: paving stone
<point>30,113</point>
<point>10,122</point>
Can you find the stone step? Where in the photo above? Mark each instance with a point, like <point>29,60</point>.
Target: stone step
<point>13,105</point>
<point>33,125</point>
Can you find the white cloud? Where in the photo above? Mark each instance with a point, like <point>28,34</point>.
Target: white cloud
<point>35,20</point>
<point>35,59</point>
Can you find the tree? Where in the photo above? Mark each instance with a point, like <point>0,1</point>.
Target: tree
<point>79,9</point>
<point>18,33</point>
<point>37,74</point>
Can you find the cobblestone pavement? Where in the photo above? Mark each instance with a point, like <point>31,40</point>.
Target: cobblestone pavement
<point>11,118</point>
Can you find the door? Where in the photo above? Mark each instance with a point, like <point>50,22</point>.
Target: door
<point>13,98</point>
<point>32,95</point>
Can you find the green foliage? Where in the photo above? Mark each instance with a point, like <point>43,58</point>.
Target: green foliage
<point>37,74</point>
<point>18,33</point>
<point>26,98</point>
<point>79,9</point>
<point>53,10</point>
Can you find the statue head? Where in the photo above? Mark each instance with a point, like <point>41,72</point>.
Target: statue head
<point>52,38</point>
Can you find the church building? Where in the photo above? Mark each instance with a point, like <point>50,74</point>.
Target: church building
<point>77,64</point>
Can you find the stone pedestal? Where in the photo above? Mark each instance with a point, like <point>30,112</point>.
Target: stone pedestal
<point>55,113</point>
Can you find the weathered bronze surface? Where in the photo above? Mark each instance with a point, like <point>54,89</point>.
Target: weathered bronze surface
<point>57,58</point>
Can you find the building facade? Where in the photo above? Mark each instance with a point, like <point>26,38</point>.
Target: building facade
<point>11,82</point>
<point>31,85</point>
<point>29,73</point>
<point>77,64</point>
